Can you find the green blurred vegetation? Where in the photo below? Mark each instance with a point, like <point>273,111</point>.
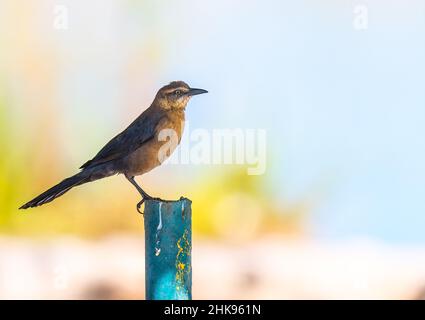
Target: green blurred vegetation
<point>232,204</point>
<point>11,165</point>
<point>227,203</point>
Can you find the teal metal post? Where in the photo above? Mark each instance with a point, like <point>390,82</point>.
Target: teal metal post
<point>168,248</point>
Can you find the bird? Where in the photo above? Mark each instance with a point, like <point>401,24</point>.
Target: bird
<point>136,150</point>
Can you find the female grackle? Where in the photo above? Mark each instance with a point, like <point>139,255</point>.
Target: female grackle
<point>136,150</point>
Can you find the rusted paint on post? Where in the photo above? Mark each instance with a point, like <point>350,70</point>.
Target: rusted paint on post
<point>168,248</point>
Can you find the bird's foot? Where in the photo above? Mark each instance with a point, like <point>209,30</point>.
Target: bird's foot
<point>146,197</point>
<point>139,205</point>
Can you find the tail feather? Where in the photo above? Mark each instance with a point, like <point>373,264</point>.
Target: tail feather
<point>57,190</point>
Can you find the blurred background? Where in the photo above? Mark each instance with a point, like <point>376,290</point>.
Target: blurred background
<point>337,85</point>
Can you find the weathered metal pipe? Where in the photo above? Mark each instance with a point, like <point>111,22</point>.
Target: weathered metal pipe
<point>168,248</point>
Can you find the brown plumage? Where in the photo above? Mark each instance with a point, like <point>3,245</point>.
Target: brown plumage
<point>139,148</point>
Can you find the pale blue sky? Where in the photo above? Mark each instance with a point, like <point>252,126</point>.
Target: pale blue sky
<point>345,109</point>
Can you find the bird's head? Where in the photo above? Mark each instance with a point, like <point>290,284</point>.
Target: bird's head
<point>176,95</point>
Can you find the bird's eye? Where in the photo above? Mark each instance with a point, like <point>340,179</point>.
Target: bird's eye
<point>177,92</point>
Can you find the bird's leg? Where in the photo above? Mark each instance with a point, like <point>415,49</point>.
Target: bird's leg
<point>139,189</point>
<point>144,195</point>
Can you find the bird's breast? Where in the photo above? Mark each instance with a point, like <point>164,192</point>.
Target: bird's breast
<point>155,151</point>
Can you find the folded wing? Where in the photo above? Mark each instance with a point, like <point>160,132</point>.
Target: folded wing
<point>141,130</point>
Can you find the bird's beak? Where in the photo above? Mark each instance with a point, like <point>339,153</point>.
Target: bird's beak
<point>194,92</point>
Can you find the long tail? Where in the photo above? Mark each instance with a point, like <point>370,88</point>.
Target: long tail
<point>58,190</point>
